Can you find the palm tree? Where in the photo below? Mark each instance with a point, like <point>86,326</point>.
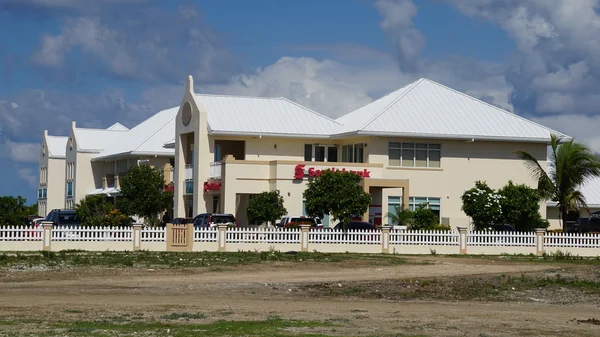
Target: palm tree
<point>570,165</point>
<point>400,216</point>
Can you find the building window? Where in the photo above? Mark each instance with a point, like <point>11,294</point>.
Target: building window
<point>353,153</point>
<point>43,176</point>
<point>71,171</point>
<point>69,189</point>
<point>396,202</point>
<point>415,155</point>
<point>70,204</point>
<point>320,153</point>
<point>432,203</point>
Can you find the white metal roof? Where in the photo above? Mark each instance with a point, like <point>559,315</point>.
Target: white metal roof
<point>57,146</point>
<point>96,140</point>
<point>425,108</point>
<point>591,192</point>
<point>261,115</point>
<point>147,138</point>
<point>118,127</point>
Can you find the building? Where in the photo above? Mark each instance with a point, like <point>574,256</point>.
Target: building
<point>591,191</point>
<point>51,191</point>
<point>90,161</point>
<point>424,143</point>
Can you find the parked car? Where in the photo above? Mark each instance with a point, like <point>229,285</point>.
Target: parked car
<point>213,219</point>
<point>355,225</point>
<point>586,225</point>
<point>503,228</point>
<point>60,217</point>
<point>178,221</point>
<point>293,221</point>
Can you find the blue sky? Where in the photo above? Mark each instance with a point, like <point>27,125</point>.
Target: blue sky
<point>98,62</point>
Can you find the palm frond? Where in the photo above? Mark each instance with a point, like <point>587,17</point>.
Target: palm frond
<point>546,186</point>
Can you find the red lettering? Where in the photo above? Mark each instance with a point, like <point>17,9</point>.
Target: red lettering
<point>299,171</point>
<point>366,174</point>
<point>359,173</point>
<point>311,172</point>
<point>318,173</point>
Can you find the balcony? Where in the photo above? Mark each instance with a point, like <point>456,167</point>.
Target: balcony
<point>189,172</point>
<point>215,170</point>
<point>171,175</point>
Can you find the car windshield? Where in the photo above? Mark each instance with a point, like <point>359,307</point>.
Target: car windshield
<point>67,218</point>
<point>222,218</point>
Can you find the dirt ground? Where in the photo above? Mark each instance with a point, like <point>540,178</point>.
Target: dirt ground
<point>391,301</point>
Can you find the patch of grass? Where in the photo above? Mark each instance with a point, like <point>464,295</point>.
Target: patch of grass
<point>184,315</point>
<point>557,257</point>
<point>73,311</point>
<point>214,261</point>
<point>271,327</point>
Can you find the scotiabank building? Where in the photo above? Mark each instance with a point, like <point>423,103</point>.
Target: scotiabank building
<point>422,144</point>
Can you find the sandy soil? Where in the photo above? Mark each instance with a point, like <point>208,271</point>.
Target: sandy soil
<point>259,292</point>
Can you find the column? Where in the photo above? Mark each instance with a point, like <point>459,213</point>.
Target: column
<point>222,237</point>
<point>539,241</point>
<point>137,236</point>
<point>304,229</point>
<point>385,239</point>
<point>462,239</point>
<point>47,235</point>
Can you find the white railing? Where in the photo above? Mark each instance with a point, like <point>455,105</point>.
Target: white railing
<point>345,237</point>
<point>189,172</point>
<point>512,239</point>
<point>437,238</point>
<point>172,175</point>
<point>92,233</point>
<point>578,240</point>
<point>263,235</point>
<point>21,233</point>
<point>205,234</point>
<point>215,170</point>
<point>153,234</point>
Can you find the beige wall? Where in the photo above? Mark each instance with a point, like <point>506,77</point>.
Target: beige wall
<point>55,181</point>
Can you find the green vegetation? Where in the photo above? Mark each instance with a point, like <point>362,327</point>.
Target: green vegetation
<point>144,193</point>
<point>337,193</point>
<point>516,205</point>
<point>265,207</point>
<point>145,259</point>
<point>13,210</point>
<point>422,218</point>
<point>571,165</point>
<point>99,210</point>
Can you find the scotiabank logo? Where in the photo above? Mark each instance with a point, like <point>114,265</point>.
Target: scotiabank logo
<point>312,172</point>
<point>212,186</point>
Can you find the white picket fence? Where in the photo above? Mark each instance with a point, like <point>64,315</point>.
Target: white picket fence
<point>424,238</point>
<point>263,235</point>
<point>292,236</point>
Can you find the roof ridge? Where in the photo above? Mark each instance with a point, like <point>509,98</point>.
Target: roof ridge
<point>239,96</point>
<point>310,110</point>
<point>96,129</point>
<point>155,131</point>
<point>412,86</point>
<point>492,106</point>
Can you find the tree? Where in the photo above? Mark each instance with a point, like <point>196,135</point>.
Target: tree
<point>98,210</point>
<point>520,206</point>
<point>400,216</point>
<point>570,165</point>
<point>265,207</point>
<point>337,193</point>
<point>33,210</point>
<point>424,219</point>
<point>483,205</point>
<point>143,193</point>
<point>13,210</point>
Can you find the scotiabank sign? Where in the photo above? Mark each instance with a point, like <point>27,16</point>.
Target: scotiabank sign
<point>300,171</point>
<point>212,186</point>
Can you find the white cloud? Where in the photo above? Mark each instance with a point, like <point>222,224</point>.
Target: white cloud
<point>29,176</point>
<point>583,128</point>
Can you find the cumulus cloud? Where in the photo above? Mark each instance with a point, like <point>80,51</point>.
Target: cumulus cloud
<point>125,47</point>
<point>586,127</point>
<point>29,176</point>
<point>396,23</point>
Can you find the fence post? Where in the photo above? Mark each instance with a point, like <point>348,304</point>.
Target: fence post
<point>46,235</point>
<point>539,241</point>
<point>222,236</point>
<point>462,239</point>
<point>304,228</point>
<point>137,236</point>
<point>385,239</point>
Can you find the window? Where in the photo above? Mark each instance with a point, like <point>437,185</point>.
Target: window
<point>414,202</point>
<point>326,219</point>
<point>434,204</point>
<point>321,153</point>
<point>71,171</point>
<point>69,189</point>
<point>217,153</point>
<point>393,202</point>
<point>353,153</point>
<point>414,155</point>
<point>189,187</point>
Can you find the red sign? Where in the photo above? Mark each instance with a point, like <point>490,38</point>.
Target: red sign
<point>312,172</point>
<point>212,186</point>
<point>169,188</point>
